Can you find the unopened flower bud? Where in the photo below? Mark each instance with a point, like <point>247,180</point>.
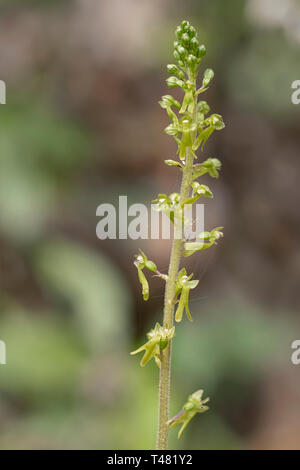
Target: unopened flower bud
<point>185,25</point>
<point>194,44</point>
<point>208,76</point>
<point>174,70</point>
<point>151,266</point>
<point>185,39</point>
<point>176,55</point>
<point>203,107</point>
<point>201,51</point>
<point>173,82</point>
<point>191,60</point>
<point>192,31</point>
<point>182,51</point>
<point>178,32</point>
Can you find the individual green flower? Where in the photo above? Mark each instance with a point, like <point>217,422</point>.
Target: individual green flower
<point>194,405</point>
<point>208,239</point>
<point>188,101</point>
<point>158,339</point>
<point>203,107</point>
<point>141,262</point>
<point>215,121</point>
<point>183,286</point>
<point>199,190</point>
<point>170,205</point>
<point>209,125</point>
<point>212,236</point>
<point>144,283</point>
<point>187,128</point>
<point>174,131</point>
<point>167,101</point>
<point>211,166</point>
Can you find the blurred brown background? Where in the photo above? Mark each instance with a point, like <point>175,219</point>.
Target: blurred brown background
<point>82,126</point>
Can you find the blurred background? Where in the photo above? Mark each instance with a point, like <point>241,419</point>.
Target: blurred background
<point>82,126</point>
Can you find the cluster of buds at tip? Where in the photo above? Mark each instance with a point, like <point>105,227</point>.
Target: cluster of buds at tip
<point>141,262</point>
<point>187,50</point>
<point>194,405</point>
<point>158,339</point>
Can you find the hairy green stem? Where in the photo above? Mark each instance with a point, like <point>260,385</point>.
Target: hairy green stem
<point>165,369</point>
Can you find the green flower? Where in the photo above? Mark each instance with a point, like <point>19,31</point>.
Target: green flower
<point>215,121</point>
<point>141,262</point>
<point>199,190</point>
<point>211,166</point>
<point>187,138</point>
<point>185,127</point>
<point>209,125</point>
<point>167,101</point>
<point>194,405</point>
<point>170,205</point>
<point>158,339</point>
<point>208,239</point>
<point>183,286</point>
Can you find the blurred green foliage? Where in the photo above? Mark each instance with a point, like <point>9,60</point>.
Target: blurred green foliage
<point>29,3</point>
<point>44,356</point>
<point>234,338</point>
<point>96,291</point>
<point>260,82</point>
<point>39,151</point>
